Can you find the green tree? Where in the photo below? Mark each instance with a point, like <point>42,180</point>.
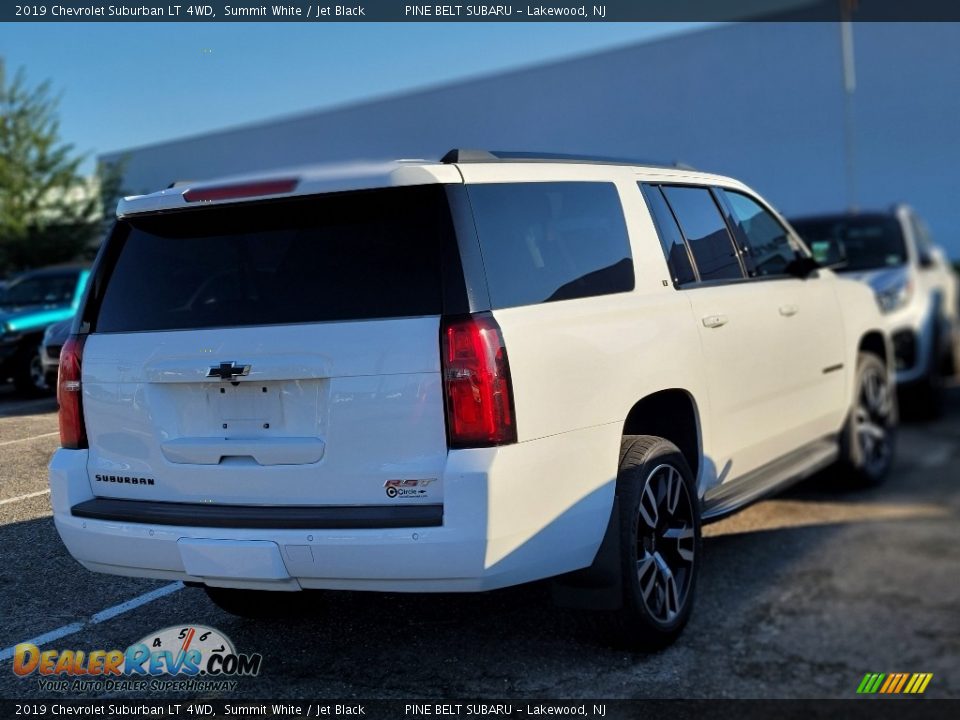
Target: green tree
<point>48,212</point>
<point>110,189</point>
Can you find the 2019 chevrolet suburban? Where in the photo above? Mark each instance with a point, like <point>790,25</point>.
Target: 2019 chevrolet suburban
<point>456,376</point>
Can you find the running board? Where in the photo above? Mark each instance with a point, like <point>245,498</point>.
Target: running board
<point>769,479</point>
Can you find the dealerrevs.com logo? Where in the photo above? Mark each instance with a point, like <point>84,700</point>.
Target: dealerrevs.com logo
<point>191,657</point>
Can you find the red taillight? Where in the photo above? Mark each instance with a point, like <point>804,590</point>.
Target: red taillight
<point>241,190</point>
<point>73,433</point>
<point>476,378</point>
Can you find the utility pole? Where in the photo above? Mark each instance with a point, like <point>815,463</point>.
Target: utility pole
<point>849,87</point>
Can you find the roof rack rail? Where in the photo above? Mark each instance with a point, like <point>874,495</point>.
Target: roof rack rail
<point>462,155</point>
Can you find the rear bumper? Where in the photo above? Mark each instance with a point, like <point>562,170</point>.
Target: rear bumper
<point>510,515</point>
<point>279,517</point>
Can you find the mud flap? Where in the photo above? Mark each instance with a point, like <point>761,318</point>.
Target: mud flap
<point>599,586</point>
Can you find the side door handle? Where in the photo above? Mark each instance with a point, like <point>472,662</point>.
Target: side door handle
<point>789,310</point>
<point>714,321</point>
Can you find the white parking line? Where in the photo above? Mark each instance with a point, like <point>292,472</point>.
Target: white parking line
<point>99,617</point>
<point>18,498</point>
<point>32,437</point>
<point>123,607</point>
<point>44,639</point>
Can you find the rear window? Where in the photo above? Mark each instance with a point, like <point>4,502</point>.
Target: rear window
<point>369,254</point>
<point>550,241</point>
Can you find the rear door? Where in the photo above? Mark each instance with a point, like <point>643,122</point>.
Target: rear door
<point>277,352</point>
<point>738,327</point>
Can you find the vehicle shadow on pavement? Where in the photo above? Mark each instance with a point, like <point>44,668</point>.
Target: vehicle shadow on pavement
<point>12,405</point>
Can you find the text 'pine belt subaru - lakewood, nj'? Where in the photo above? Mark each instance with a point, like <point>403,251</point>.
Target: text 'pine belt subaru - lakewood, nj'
<point>456,376</point>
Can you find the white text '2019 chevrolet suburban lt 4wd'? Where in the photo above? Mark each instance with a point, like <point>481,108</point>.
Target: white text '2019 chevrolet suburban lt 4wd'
<point>456,376</point>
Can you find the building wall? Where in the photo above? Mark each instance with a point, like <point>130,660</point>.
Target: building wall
<point>763,102</point>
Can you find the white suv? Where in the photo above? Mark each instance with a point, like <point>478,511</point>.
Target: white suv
<point>915,287</point>
<point>456,376</point>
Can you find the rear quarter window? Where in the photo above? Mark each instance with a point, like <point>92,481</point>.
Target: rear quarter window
<point>543,242</point>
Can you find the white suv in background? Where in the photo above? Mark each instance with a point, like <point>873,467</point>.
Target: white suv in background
<point>456,376</point>
<point>915,286</point>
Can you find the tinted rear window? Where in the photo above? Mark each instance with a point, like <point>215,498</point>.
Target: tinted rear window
<point>543,242</point>
<point>706,232</point>
<point>369,254</point>
<point>671,240</point>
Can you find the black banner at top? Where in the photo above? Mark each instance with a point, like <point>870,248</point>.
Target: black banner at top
<point>549,11</point>
<point>188,708</point>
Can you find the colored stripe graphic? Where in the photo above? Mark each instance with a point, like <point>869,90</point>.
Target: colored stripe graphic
<point>903,681</point>
<point>894,683</point>
<point>870,683</point>
<point>891,680</point>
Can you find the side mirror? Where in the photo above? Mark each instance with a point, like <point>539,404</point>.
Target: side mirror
<point>802,266</point>
<point>926,261</point>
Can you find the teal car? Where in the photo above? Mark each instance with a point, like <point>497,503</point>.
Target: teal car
<point>28,305</point>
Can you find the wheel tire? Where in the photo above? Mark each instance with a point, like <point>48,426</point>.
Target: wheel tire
<point>868,439</point>
<point>262,604</point>
<point>29,378</point>
<point>658,577</point>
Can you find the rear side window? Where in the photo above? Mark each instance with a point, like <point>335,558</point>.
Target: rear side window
<point>705,231</point>
<point>770,247</point>
<point>368,254</point>
<point>542,242</point>
<point>671,239</point>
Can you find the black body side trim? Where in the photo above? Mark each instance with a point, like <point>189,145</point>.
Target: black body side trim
<point>286,517</point>
<point>469,260</point>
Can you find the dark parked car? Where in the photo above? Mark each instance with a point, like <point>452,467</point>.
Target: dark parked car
<point>53,340</point>
<point>29,304</point>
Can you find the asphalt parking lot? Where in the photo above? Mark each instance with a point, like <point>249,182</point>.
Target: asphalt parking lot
<point>799,596</point>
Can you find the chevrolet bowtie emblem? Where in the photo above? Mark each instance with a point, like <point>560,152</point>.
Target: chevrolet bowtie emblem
<point>228,371</point>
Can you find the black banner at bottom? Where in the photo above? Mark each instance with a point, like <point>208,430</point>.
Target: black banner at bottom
<point>854,709</point>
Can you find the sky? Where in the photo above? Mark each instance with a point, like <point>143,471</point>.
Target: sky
<point>123,85</point>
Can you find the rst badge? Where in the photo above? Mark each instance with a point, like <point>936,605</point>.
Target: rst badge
<point>407,488</point>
